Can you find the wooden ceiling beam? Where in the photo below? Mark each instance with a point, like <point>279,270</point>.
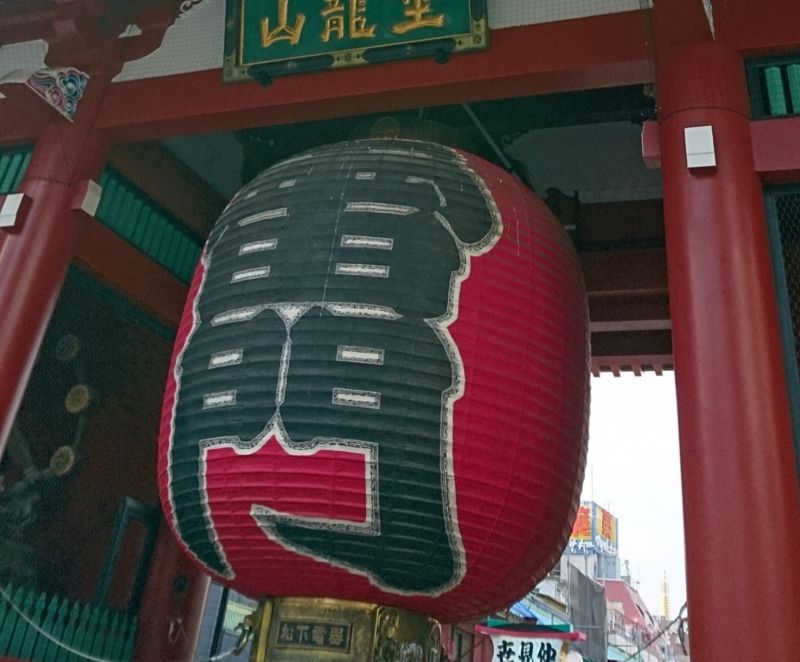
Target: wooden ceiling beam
<point>634,351</point>
<point>681,22</point>
<point>628,310</point>
<point>170,183</point>
<point>637,364</point>
<point>604,51</point>
<point>641,306</point>
<point>131,273</point>
<point>624,271</point>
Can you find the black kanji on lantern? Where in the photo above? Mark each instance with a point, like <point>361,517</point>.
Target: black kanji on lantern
<point>330,281</point>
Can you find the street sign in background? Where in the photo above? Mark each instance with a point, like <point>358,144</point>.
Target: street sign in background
<point>516,649</point>
<point>266,38</point>
<point>594,531</point>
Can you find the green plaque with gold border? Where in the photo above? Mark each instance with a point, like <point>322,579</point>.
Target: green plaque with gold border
<point>268,38</point>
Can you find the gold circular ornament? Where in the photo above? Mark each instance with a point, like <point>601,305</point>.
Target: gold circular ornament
<point>78,399</point>
<point>62,461</point>
<point>386,127</point>
<point>67,348</point>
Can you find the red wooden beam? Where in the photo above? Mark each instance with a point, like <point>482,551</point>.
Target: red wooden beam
<point>680,22</point>
<point>753,27</point>
<point>624,272</point>
<point>776,148</point>
<point>629,310</point>
<point>169,182</point>
<point>23,115</point>
<point>629,223</point>
<point>24,21</point>
<point>632,343</point>
<point>129,271</point>
<point>640,306</point>
<point>635,363</point>
<point>594,52</point>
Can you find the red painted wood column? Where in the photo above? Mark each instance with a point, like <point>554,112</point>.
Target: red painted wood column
<point>35,255</point>
<point>34,259</point>
<point>740,486</point>
<point>172,605</point>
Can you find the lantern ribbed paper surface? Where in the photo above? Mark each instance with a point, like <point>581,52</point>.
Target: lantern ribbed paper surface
<point>380,384</point>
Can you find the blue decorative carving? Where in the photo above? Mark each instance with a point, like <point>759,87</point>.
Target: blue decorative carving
<point>62,88</point>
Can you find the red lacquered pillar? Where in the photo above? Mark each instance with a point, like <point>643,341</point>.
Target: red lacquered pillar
<point>172,605</point>
<point>35,255</point>
<point>740,486</point>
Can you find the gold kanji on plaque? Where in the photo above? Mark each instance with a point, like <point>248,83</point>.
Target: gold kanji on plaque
<point>334,20</point>
<point>283,31</point>
<point>318,633</point>
<point>420,15</point>
<point>358,21</point>
<point>333,17</point>
<point>336,636</point>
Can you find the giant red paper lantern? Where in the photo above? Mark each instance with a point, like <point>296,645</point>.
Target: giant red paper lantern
<point>380,384</point>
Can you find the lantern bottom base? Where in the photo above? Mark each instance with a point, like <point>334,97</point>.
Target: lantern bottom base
<point>320,629</point>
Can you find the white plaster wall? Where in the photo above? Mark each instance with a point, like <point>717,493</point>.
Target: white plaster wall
<point>18,61</point>
<point>511,13</point>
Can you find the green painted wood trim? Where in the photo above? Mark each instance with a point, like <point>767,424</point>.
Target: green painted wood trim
<point>126,210</point>
<point>48,625</point>
<point>21,627</point>
<point>793,76</point>
<point>13,164</point>
<point>127,650</point>
<point>130,213</point>
<point>92,629</point>
<point>774,84</point>
<point>52,649</point>
<point>31,634</point>
<point>9,619</point>
<point>776,99</point>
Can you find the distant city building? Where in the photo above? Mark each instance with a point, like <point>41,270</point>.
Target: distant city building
<point>679,643</point>
<point>631,626</point>
<point>573,601</point>
<point>665,597</point>
<point>594,543</point>
<point>593,550</point>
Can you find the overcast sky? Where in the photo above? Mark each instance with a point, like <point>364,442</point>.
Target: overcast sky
<point>634,471</point>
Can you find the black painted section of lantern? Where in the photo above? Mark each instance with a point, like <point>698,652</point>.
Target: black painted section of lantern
<point>413,550</point>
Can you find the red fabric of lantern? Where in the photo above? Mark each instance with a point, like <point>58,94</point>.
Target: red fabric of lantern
<point>379,390</point>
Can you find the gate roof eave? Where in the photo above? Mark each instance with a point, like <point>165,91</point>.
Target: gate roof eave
<point>595,52</point>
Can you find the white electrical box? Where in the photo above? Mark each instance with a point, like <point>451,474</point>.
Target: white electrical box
<point>699,141</point>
